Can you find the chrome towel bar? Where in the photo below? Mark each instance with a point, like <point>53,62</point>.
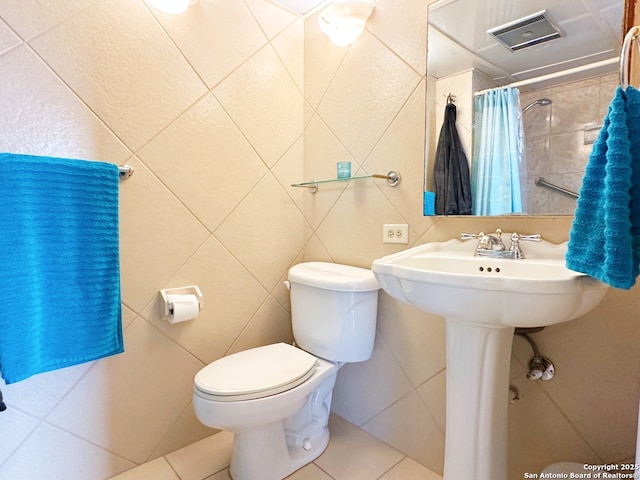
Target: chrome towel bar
<point>625,56</point>
<point>541,182</point>
<point>125,171</point>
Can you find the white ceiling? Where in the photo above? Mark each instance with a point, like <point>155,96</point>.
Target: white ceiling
<point>458,40</point>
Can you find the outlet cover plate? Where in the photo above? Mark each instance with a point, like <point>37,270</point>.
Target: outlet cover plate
<point>395,233</point>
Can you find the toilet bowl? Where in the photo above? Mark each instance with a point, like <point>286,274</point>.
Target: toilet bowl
<point>270,442</point>
<point>276,399</point>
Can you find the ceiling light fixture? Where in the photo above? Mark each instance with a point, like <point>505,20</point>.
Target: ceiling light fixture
<point>171,6</point>
<point>344,20</point>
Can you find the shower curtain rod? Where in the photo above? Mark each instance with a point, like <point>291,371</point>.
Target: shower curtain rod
<point>550,76</point>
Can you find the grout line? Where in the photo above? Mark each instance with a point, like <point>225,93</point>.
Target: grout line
<point>392,467</point>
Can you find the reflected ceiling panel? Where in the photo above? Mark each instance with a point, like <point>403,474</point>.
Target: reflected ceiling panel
<point>592,32</point>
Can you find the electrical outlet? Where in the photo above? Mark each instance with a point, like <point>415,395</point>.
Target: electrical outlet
<point>395,233</point>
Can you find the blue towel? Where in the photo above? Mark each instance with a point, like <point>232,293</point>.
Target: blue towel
<point>605,236</point>
<point>60,284</point>
<point>429,204</point>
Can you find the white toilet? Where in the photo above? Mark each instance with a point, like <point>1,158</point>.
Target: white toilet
<point>276,399</point>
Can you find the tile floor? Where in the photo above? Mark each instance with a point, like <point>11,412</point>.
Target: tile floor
<point>352,454</point>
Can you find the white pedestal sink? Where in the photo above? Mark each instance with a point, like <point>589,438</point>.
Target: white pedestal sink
<point>482,300</point>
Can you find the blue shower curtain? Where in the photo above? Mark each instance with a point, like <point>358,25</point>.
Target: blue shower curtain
<point>498,153</point>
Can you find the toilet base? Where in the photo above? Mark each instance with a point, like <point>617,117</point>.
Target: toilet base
<point>276,450</point>
<point>264,454</point>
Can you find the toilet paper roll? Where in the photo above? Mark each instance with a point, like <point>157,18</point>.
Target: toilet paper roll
<point>185,307</point>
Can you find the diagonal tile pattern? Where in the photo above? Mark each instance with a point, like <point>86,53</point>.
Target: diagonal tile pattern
<point>352,454</point>
<point>186,101</point>
<point>219,111</point>
<point>125,68</point>
<point>212,151</point>
<point>251,94</point>
<point>359,110</point>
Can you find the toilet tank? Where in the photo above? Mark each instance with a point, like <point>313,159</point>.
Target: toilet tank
<point>334,310</point>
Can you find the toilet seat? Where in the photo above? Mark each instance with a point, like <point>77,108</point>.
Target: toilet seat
<point>255,373</point>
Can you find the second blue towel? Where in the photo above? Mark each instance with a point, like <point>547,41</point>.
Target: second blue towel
<point>605,236</point>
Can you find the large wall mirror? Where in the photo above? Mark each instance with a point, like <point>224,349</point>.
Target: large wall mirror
<point>565,83</point>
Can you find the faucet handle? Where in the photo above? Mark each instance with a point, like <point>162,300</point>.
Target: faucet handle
<point>529,238</point>
<point>516,238</point>
<point>470,236</point>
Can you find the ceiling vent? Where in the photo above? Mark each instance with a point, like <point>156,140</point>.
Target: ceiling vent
<point>528,31</point>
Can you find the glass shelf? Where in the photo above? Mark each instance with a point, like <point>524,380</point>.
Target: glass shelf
<point>392,178</point>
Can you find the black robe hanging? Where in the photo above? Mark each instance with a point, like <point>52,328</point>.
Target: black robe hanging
<point>451,170</point>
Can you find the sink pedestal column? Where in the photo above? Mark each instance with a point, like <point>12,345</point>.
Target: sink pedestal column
<point>478,361</point>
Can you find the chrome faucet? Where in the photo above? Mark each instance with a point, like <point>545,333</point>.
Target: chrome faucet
<point>491,245</point>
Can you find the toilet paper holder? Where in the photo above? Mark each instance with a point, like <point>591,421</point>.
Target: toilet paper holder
<point>167,306</point>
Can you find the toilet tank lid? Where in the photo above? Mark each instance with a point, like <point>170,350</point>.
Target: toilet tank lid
<point>333,276</point>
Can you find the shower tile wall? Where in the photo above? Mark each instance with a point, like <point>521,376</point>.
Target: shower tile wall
<point>555,138</point>
<point>220,110</point>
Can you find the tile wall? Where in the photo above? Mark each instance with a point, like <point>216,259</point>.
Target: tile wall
<point>208,108</point>
<point>555,138</point>
<point>220,110</point>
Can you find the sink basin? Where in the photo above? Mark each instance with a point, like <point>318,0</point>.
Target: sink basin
<point>482,300</point>
<point>447,279</point>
